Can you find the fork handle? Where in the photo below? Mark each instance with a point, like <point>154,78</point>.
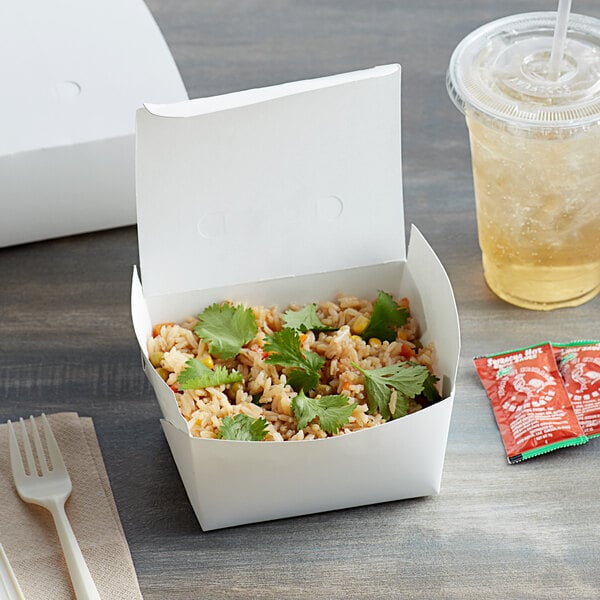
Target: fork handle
<point>83,584</point>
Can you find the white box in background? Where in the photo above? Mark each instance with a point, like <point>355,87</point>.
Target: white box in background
<point>73,74</point>
<point>288,194</point>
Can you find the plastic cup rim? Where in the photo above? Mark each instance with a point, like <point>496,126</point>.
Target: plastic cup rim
<point>461,97</point>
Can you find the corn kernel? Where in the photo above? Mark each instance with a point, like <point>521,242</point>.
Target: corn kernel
<point>164,374</point>
<point>356,337</point>
<point>374,342</point>
<point>234,388</point>
<point>156,358</point>
<point>208,361</point>
<point>323,389</point>
<point>359,324</point>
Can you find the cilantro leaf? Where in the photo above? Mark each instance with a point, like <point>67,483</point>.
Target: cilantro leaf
<point>226,328</point>
<point>283,348</point>
<point>333,411</point>
<point>430,391</point>
<point>378,398</point>
<point>197,376</point>
<point>386,318</point>
<point>305,319</point>
<point>407,379</point>
<point>303,380</point>
<point>242,427</point>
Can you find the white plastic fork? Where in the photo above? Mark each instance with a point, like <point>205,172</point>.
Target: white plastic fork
<point>50,489</point>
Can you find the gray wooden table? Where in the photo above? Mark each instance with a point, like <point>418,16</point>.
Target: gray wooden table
<point>66,343</point>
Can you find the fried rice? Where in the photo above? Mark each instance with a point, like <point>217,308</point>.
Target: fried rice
<point>265,391</point>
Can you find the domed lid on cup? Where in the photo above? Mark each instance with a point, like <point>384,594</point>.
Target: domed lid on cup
<point>502,70</point>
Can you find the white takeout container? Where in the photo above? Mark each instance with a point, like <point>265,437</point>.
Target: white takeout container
<point>291,193</point>
<point>73,74</point>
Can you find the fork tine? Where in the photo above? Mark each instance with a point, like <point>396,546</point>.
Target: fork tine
<point>39,449</point>
<point>16,460</point>
<point>56,459</point>
<point>28,452</point>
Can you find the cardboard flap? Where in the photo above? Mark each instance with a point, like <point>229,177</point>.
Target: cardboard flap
<point>437,314</point>
<point>78,70</point>
<point>142,323</point>
<point>270,183</point>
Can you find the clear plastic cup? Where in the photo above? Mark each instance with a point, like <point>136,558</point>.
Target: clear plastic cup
<point>535,149</point>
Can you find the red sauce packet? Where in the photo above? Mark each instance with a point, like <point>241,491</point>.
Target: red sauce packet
<point>530,402</point>
<point>579,366</point>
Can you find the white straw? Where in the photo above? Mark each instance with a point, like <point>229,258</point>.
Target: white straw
<point>560,37</point>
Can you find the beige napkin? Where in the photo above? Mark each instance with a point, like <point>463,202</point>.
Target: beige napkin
<point>28,534</point>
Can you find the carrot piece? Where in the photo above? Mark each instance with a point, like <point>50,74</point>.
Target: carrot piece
<point>407,351</point>
<point>404,303</point>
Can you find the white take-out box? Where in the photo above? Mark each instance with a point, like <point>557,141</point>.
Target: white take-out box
<point>291,193</point>
<point>73,74</point>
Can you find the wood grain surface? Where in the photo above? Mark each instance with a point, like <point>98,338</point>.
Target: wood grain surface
<point>527,531</point>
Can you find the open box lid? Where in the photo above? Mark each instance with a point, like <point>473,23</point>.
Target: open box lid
<point>75,71</point>
<point>293,179</point>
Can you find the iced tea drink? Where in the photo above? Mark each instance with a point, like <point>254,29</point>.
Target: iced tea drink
<point>535,148</point>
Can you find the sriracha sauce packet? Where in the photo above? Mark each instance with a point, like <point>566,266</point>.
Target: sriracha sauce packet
<point>579,366</point>
<point>530,402</point>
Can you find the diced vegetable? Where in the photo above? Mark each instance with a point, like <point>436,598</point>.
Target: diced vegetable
<point>208,361</point>
<point>359,324</point>
<point>156,358</point>
<point>164,374</point>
